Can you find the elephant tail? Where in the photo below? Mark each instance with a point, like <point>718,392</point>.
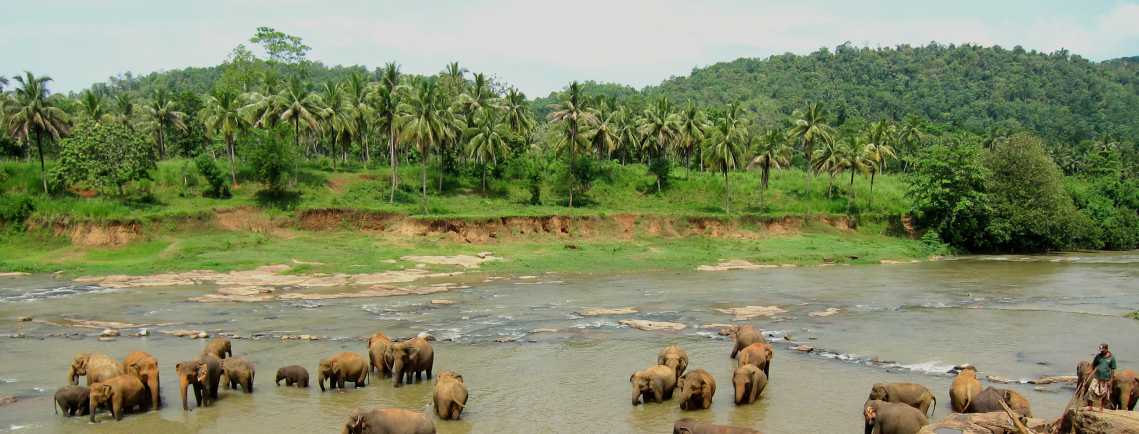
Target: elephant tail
<point>933,406</point>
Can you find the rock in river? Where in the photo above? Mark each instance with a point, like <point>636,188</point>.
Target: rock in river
<point>979,423</point>
<point>597,311</point>
<point>641,324</point>
<point>749,312</point>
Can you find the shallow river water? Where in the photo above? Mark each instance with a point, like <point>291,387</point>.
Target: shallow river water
<point>1013,317</point>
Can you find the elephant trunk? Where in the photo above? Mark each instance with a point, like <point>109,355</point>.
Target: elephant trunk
<point>155,397</point>
<point>320,380</point>
<point>741,392</point>
<point>869,428</point>
<point>636,395</point>
<point>184,383</point>
<point>397,371</point>
<point>72,376</point>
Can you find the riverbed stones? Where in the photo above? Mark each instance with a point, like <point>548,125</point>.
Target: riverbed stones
<point>106,339</point>
<point>981,423</point>
<point>803,348</point>
<point>442,302</point>
<point>830,311</point>
<point>599,311</point>
<point>6,400</point>
<point>734,264</point>
<point>107,333</point>
<point>998,379</point>
<point>646,325</point>
<point>1068,379</point>
<point>749,312</point>
<point>13,274</point>
<point>23,318</point>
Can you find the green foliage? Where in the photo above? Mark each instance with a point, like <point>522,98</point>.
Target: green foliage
<point>280,46</point>
<point>214,177</point>
<point>105,156</point>
<point>1031,210</point>
<point>949,194</point>
<point>273,162</point>
<point>16,208</point>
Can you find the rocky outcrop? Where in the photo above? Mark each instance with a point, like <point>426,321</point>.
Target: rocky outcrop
<point>1084,421</point>
<point>647,325</point>
<point>981,423</point>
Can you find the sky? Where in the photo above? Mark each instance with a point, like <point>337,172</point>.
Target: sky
<point>537,46</point>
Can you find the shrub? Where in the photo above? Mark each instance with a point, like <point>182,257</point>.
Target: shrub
<point>16,208</point>
<point>105,156</point>
<point>214,177</point>
<point>273,163</point>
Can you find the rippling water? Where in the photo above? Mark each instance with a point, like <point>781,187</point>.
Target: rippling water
<point>1014,317</point>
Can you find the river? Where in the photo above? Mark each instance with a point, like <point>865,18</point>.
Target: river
<point>1013,317</point>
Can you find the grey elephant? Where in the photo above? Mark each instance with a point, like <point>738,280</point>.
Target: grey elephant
<point>912,394</point>
<point>748,381</point>
<point>73,400</point>
<point>881,417</point>
<point>294,375</point>
<point>387,421</point>
<point>655,383</point>
<point>689,426</point>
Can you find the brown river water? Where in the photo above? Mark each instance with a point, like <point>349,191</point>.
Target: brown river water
<point>1013,317</point>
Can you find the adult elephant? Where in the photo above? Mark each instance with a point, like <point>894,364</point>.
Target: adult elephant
<point>989,400</point>
<point>696,390</point>
<point>689,426</point>
<point>748,381</point>
<point>412,357</point>
<point>145,367</point>
<point>122,393</point>
<point>204,374</point>
<point>378,356</point>
<point>655,383</point>
<point>238,371</point>
<point>674,357</point>
<point>387,421</point>
<point>965,387</point>
<point>1125,390</point>
<point>450,397</point>
<point>341,367</point>
<point>218,347</point>
<point>744,335</point>
<point>914,395</point>
<point>95,366</point>
<point>881,417</point>
<point>758,354</point>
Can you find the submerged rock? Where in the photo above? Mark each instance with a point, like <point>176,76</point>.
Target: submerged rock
<point>749,312</point>
<point>1100,422</point>
<point>825,313</point>
<point>23,318</point>
<point>6,400</point>
<point>598,311</point>
<point>641,324</point>
<point>981,423</point>
<point>443,302</point>
<point>109,333</point>
<point>1069,379</point>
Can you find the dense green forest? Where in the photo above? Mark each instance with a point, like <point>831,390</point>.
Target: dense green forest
<point>1004,150</point>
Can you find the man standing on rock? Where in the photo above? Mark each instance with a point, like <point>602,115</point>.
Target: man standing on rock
<point>1103,370</point>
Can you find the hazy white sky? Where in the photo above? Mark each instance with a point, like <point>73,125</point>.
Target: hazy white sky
<point>538,46</point>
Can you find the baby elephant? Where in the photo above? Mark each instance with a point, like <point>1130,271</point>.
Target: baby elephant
<point>883,417</point>
<point>748,381</point>
<point>689,426</point>
<point>450,395</point>
<point>387,420</point>
<point>120,394</point>
<point>655,383</point>
<point>238,371</point>
<point>73,400</point>
<point>293,375</point>
<point>696,390</point>
<point>674,357</point>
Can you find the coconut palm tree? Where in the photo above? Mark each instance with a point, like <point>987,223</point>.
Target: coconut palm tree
<point>810,128</point>
<point>691,124</point>
<point>32,114</point>
<point>879,150</point>
<point>479,97</point>
<point>572,114</point>
<point>771,152</point>
<point>161,113</point>
<point>338,121</point>
<point>385,100</point>
<point>487,141</point>
<point>604,135</point>
<point>454,77</point>
<point>125,109</point>
<point>724,151</point>
<point>660,127</point>
<point>360,112</point>
<point>222,116</point>
<point>93,107</point>
<point>516,113</point>
<point>263,108</point>
<point>299,105</point>
<point>628,135</point>
<point>422,120</point>
<point>909,136</point>
<point>825,158</point>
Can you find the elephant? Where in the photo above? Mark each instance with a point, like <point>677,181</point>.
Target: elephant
<point>341,367</point>
<point>914,395</point>
<point>293,375</point>
<point>696,390</point>
<point>122,393</point>
<point>1125,390</point>
<point>144,366</point>
<point>689,426</point>
<point>748,381</point>
<point>883,417</point>
<point>204,373</point>
<point>965,387</point>
<point>387,421</point>
<point>73,400</point>
<point>656,383</point>
<point>238,371</point>
<point>989,401</point>
<point>674,357</point>
<point>758,354</point>
<point>219,347</point>
<point>378,355</point>
<point>97,367</point>
<point>450,396</point>
<point>744,335</point>
<point>411,357</point>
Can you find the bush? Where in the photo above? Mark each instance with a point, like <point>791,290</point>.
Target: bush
<point>16,208</point>
<point>214,177</point>
<point>1031,210</point>
<point>948,190</point>
<point>105,156</point>
<point>273,162</point>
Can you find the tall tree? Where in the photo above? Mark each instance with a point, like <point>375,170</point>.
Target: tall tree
<point>517,113</point>
<point>93,107</point>
<point>161,115</point>
<point>338,121</point>
<point>724,150</point>
<point>771,152</point>
<point>385,101</point>
<point>691,124</point>
<point>825,158</point>
<point>572,114</point>
<point>356,93</point>
<point>909,136</point>
<point>487,141</point>
<point>604,135</point>
<point>878,152</point>
<point>659,126</point>
<point>422,120</point>
<point>299,105</point>
<point>125,110</point>
<point>810,128</point>
<point>33,114</point>
<point>222,116</point>
<point>849,156</point>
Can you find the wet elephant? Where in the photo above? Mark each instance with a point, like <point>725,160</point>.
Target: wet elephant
<point>95,366</point>
<point>674,357</point>
<point>989,401</point>
<point>914,395</point>
<point>748,382</point>
<point>744,335</point>
<point>655,383</point>
<point>293,375</point>
<point>1125,390</point>
<point>758,354</point>
<point>965,387</point>
<point>689,426</point>
<point>387,421</point>
<point>218,347</point>
<point>144,366</point>
<point>204,374</point>
<point>342,367</point>
<point>121,394</point>
<point>411,357</point>
<point>238,371</point>
<point>697,388</point>
<point>378,356</point>
<point>450,395</point>
<point>881,417</point>
<point>73,400</point>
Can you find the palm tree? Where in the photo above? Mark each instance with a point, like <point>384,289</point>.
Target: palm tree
<point>299,104</point>
<point>879,151</point>
<point>909,135</point>
<point>356,95</point>
<point>263,108</point>
<point>337,115</point>
<point>809,129</point>
<point>488,141</point>
<point>222,116</point>
<point>93,107</point>
<point>659,126</point>
<point>691,124</point>
<point>517,113</point>
<point>385,101</point>
<point>162,114</point>
<point>422,120</point>
<point>572,113</point>
<point>772,152</point>
<point>124,110</point>
<point>480,97</point>
<point>849,156</point>
<point>454,77</point>
<point>825,158</point>
<point>628,135</point>
<point>725,150</point>
<point>32,113</point>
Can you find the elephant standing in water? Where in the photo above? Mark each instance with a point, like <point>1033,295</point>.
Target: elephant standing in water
<point>238,371</point>
<point>293,375</point>
<point>73,400</point>
<point>218,347</point>
<point>387,421</point>
<point>121,394</point>
<point>95,366</point>
<point>341,367</point>
<point>989,401</point>
<point>748,381</point>
<point>696,390</point>
<point>378,355</point>
<point>914,395</point>
<point>883,417</point>
<point>203,374</point>
<point>655,383</point>
<point>411,358</point>
<point>144,366</point>
<point>1125,390</point>
<point>450,397</point>
<point>674,357</point>
<point>758,354</point>
<point>744,335</point>
<point>689,426</point>
<point>965,387</point>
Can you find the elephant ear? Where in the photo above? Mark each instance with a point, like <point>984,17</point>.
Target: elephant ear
<point>107,390</point>
<point>631,377</point>
<point>459,377</point>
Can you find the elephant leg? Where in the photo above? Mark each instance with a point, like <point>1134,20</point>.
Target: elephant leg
<point>198,395</point>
